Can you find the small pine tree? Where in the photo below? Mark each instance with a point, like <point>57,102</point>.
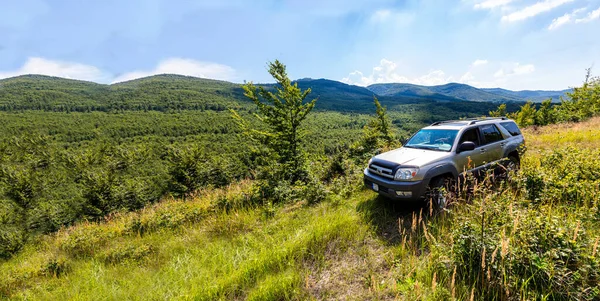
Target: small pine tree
<point>526,115</point>
<point>546,114</point>
<point>282,112</point>
<point>501,111</point>
<point>377,132</point>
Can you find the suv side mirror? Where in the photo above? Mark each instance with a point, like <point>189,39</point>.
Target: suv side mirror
<point>466,146</point>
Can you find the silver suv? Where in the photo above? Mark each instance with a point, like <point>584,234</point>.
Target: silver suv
<point>440,153</point>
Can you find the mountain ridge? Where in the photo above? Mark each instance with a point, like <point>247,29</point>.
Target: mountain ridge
<point>467,92</point>
<point>153,91</point>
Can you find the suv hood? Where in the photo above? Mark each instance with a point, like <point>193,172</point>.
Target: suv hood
<point>412,156</point>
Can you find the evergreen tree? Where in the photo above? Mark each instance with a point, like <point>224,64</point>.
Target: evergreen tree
<point>282,111</point>
<point>526,116</point>
<point>501,111</point>
<point>377,132</point>
<point>546,113</point>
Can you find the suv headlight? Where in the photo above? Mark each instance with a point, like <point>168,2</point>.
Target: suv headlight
<point>406,173</point>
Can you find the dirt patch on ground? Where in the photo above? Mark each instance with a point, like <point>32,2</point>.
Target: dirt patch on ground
<point>360,272</point>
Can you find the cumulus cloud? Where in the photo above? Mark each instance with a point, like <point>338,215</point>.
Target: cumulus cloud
<point>593,15</point>
<point>72,70</point>
<point>182,66</point>
<point>491,4</point>
<point>386,72</point>
<point>467,77</point>
<point>37,65</point>
<point>565,19</point>
<point>515,69</point>
<point>479,63</point>
<point>479,73</point>
<point>534,10</point>
<point>483,73</point>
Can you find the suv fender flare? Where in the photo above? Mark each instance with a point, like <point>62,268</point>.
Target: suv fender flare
<point>510,150</point>
<point>440,170</point>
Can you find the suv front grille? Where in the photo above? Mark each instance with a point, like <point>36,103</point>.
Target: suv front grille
<point>382,171</point>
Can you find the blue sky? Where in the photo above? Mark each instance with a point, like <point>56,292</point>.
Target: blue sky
<point>514,44</point>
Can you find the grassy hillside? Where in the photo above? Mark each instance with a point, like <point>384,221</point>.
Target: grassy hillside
<point>532,238</point>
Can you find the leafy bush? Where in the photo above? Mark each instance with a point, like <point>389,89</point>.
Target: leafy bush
<point>126,253</point>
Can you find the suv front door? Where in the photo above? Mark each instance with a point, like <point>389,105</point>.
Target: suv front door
<point>468,160</point>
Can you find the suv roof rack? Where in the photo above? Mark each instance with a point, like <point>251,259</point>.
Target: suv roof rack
<point>470,120</point>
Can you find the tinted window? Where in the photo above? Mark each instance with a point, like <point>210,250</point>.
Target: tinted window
<point>490,133</point>
<point>470,135</point>
<point>511,127</point>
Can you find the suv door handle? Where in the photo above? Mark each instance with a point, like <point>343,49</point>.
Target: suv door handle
<point>482,150</point>
<point>503,144</point>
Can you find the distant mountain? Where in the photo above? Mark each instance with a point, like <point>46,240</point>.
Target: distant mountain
<point>455,91</point>
<point>338,96</point>
<point>533,95</point>
<point>409,90</point>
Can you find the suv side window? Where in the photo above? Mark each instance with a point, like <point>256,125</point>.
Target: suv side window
<point>511,127</point>
<point>490,133</point>
<point>470,135</point>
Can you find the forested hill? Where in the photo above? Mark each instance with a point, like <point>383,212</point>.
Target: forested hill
<point>156,93</point>
<point>171,92</point>
<point>174,92</point>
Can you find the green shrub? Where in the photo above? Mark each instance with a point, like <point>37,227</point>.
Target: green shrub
<point>191,169</point>
<point>126,253</point>
<point>55,267</point>
<point>523,253</point>
<point>11,240</point>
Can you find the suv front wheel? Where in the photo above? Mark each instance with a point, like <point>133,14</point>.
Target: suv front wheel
<point>439,192</point>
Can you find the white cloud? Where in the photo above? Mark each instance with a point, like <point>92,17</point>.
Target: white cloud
<point>491,4</point>
<point>515,69</point>
<point>565,19</point>
<point>467,77</point>
<point>593,15</point>
<point>387,17</point>
<point>480,73</point>
<point>36,65</point>
<point>534,10</point>
<point>479,63</point>
<point>182,66</point>
<point>386,72</point>
<point>72,70</point>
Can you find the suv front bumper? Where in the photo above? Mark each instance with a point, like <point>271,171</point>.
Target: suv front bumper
<point>410,191</point>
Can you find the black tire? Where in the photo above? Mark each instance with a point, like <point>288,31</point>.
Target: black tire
<point>511,166</point>
<point>438,193</point>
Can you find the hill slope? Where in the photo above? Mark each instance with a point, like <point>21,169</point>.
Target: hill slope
<point>174,92</point>
<point>357,246</point>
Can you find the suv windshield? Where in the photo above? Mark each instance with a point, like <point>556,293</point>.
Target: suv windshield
<point>438,140</point>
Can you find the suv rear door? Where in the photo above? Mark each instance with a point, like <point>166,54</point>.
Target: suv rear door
<point>492,142</point>
<point>468,160</point>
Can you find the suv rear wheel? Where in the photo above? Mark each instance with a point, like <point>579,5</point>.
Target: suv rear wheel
<point>510,167</point>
